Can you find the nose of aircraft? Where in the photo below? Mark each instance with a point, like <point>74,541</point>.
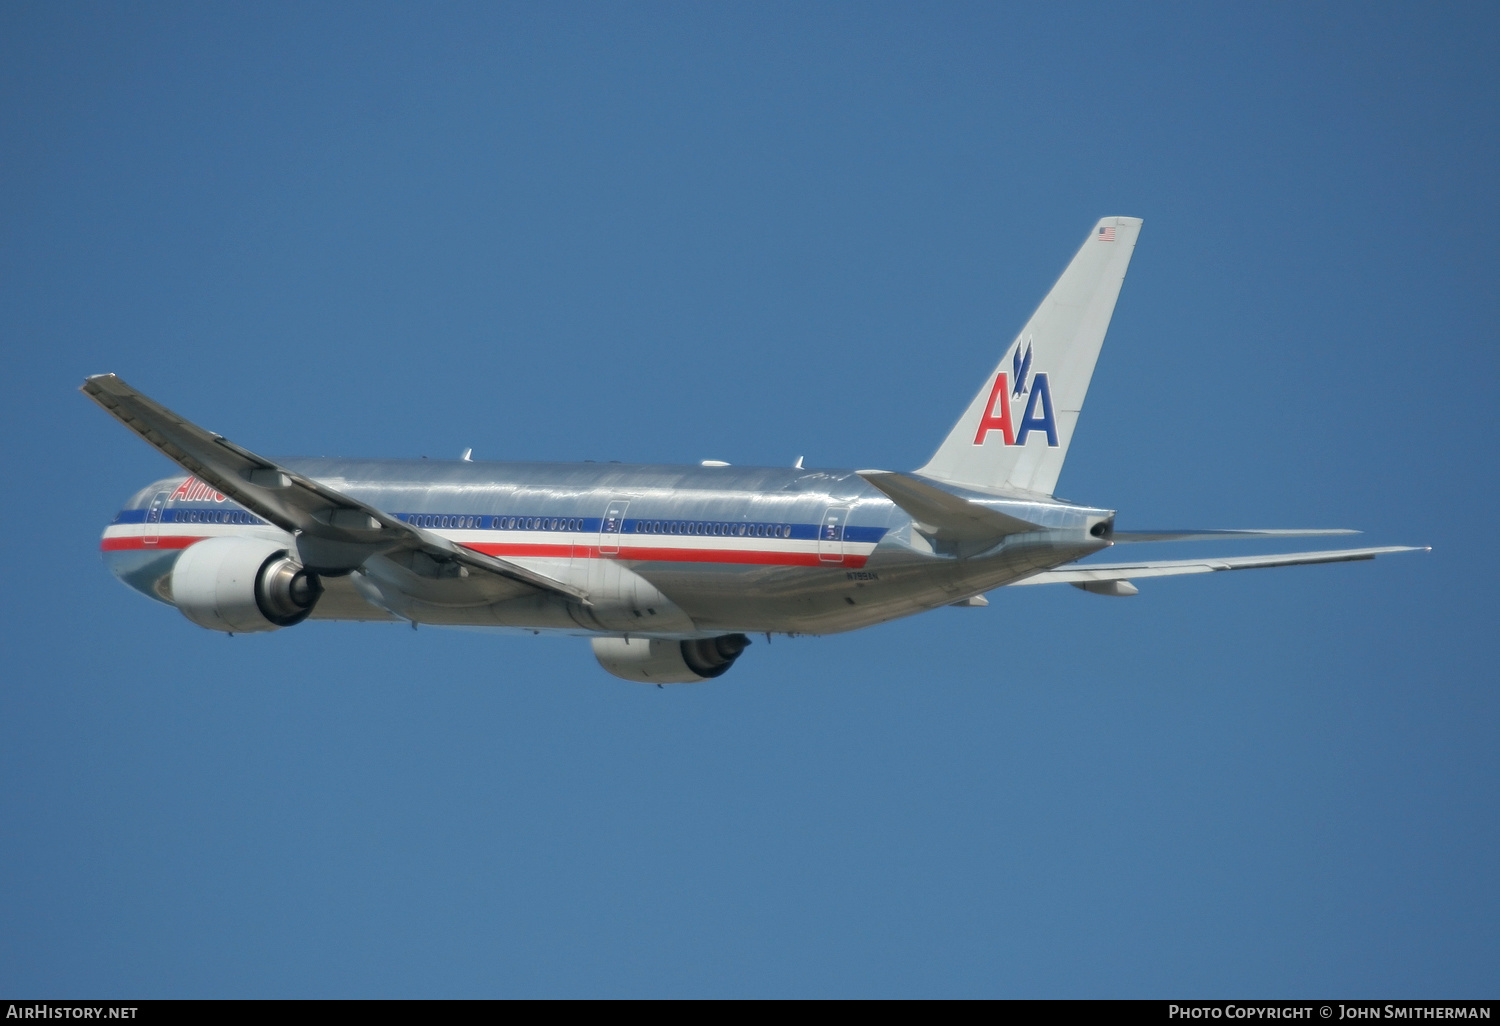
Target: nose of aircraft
<point>134,550</point>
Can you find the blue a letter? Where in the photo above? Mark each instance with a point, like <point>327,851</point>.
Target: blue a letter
<point>1040,392</point>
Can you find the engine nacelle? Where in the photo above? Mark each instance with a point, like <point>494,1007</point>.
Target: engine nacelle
<point>669,662</point>
<point>242,585</point>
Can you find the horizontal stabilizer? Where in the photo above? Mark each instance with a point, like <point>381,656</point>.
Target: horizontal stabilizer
<point>943,514</point>
<point>1213,535</point>
<point>1086,573</point>
<point>340,527</point>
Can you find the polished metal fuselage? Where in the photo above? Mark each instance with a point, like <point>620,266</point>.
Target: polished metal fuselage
<point>662,551</point>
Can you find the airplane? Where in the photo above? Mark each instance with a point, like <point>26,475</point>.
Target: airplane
<point>666,569</point>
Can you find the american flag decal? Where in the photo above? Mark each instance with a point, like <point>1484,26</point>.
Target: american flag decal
<point>1107,234</point>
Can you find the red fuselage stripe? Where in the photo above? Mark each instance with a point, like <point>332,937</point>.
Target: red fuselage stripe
<point>166,541</point>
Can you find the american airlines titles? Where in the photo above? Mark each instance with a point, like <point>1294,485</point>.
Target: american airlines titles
<point>193,490</point>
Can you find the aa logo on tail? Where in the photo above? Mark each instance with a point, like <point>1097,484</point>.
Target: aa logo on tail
<point>1038,413</point>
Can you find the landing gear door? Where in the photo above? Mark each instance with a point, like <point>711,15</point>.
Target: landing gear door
<point>831,535</point>
<point>152,534</point>
<point>610,527</point>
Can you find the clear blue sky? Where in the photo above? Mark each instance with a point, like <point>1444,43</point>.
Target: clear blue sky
<point>749,232</point>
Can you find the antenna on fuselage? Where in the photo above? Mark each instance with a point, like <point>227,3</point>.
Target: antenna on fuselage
<point>467,453</point>
<point>798,464</point>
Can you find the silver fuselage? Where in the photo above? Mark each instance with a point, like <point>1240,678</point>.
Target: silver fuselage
<point>668,551</point>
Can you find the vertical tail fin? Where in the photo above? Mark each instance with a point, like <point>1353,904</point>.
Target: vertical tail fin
<point>1015,433</point>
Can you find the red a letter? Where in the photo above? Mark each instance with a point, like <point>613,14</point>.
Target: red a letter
<point>989,422</point>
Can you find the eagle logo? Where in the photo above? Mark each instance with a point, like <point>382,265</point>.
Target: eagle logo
<point>1021,367</point>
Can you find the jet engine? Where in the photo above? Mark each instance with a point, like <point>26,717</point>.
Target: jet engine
<point>669,662</point>
<point>242,585</point>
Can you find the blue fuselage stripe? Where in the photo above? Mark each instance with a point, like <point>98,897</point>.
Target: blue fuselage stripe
<point>232,514</point>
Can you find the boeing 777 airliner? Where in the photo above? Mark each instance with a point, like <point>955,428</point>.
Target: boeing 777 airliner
<point>667,569</point>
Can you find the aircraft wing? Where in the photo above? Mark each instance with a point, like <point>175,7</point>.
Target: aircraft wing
<point>1087,573</point>
<point>341,529</point>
